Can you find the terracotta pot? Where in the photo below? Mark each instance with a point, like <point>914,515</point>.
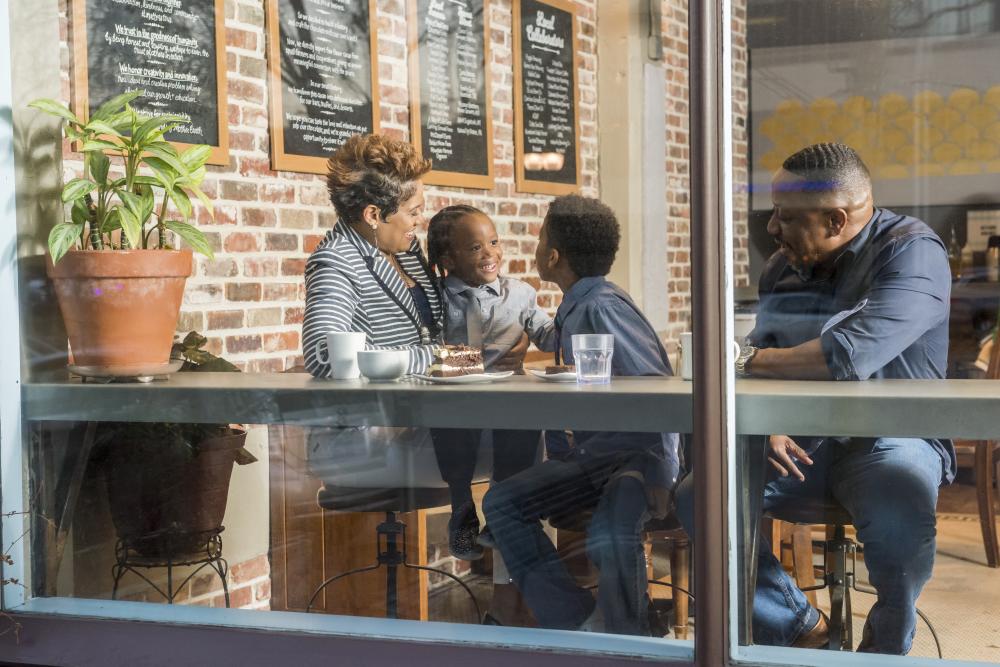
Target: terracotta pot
<point>163,500</point>
<point>120,306</point>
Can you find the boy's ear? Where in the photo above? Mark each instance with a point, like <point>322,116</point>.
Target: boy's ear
<point>553,258</point>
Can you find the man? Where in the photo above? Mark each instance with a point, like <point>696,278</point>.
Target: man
<point>623,478</point>
<point>853,292</point>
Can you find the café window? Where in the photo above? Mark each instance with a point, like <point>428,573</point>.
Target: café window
<point>875,530</point>
<point>290,345</point>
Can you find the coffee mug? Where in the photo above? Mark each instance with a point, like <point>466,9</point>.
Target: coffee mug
<point>341,354</point>
<point>687,356</point>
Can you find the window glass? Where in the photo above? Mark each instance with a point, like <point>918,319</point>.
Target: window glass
<point>865,266</point>
<point>431,378</point>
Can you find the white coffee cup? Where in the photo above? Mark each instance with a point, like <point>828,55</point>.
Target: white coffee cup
<point>341,354</point>
<point>687,354</point>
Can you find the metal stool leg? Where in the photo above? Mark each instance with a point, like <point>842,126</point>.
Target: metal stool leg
<point>393,558</point>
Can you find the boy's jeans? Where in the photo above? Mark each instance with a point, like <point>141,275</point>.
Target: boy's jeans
<point>890,487</point>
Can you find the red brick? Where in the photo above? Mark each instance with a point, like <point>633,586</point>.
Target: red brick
<point>282,242</point>
<point>191,321</point>
<point>310,241</point>
<point>255,166</point>
<point>238,344</point>
<point>241,39</point>
<point>241,242</point>
<point>249,91</point>
<point>517,266</point>
<point>225,319</point>
<point>265,366</point>
<point>248,570</point>
<point>220,268</point>
<point>294,315</point>
<point>285,340</point>
<point>241,141</point>
<point>297,218</point>
<point>293,266</point>
<point>277,193</point>
<point>264,317</point>
<point>241,597</point>
<point>314,196</point>
<point>239,190</point>
<point>259,217</point>
<point>281,291</point>
<point>255,268</point>
<point>243,292</point>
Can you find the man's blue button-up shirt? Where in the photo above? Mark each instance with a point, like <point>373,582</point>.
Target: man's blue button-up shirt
<point>881,311</point>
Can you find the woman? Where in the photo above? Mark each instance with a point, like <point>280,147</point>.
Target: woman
<point>369,274</point>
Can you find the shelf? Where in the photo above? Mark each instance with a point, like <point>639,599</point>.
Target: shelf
<point>929,408</point>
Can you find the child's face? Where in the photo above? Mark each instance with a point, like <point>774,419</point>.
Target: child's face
<point>475,253</point>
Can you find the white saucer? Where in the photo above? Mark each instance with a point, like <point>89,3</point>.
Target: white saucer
<point>554,377</point>
<point>476,378</point>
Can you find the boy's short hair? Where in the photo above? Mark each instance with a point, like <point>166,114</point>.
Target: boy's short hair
<point>585,231</point>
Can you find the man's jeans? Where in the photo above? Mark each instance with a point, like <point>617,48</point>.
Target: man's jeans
<point>513,510</point>
<point>890,488</point>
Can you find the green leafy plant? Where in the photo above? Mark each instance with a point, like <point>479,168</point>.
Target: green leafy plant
<point>111,211</point>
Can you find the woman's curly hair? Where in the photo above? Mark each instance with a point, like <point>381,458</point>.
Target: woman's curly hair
<point>373,169</point>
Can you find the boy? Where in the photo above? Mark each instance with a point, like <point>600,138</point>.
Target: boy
<point>623,478</point>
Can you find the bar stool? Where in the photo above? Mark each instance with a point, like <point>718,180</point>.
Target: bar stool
<point>667,530</point>
<point>840,555</point>
<point>836,550</point>
<point>390,535</point>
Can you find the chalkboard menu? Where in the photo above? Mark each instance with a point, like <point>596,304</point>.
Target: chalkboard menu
<point>172,49</point>
<point>450,91</point>
<point>323,67</point>
<point>546,97</point>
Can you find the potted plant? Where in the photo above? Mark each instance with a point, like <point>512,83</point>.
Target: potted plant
<point>118,277</point>
<point>168,483</point>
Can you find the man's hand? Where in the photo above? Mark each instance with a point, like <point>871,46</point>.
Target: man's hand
<point>784,455</point>
<point>513,360</point>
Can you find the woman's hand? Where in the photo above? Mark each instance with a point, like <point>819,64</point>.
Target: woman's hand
<point>513,360</point>
<point>784,454</point>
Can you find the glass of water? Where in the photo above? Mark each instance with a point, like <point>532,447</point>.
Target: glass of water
<point>592,353</point>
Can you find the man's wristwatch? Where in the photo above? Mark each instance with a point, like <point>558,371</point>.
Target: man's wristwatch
<point>746,355</point>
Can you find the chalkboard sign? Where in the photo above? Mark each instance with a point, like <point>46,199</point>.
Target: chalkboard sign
<point>175,51</point>
<point>546,97</point>
<point>323,66</point>
<point>450,91</point>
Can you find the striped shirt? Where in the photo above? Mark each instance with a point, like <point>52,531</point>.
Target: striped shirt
<point>342,294</point>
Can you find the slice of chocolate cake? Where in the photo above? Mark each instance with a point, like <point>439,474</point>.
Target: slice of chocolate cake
<point>455,360</point>
<point>556,370</point>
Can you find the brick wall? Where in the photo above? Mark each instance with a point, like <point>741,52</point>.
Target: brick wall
<point>675,65</point>
<point>249,585</point>
<point>249,299</point>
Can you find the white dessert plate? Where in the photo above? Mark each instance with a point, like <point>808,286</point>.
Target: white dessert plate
<point>554,377</point>
<point>475,378</point>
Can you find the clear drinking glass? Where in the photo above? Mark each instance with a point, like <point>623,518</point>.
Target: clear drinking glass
<point>592,353</point>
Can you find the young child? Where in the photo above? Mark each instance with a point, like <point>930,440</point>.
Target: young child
<point>486,310</point>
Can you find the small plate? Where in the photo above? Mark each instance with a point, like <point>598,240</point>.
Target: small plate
<point>466,379</point>
<point>554,377</point>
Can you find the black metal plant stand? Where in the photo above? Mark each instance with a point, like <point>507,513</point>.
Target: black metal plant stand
<point>175,546</point>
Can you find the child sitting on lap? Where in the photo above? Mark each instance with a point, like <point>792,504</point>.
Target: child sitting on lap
<point>484,310</point>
